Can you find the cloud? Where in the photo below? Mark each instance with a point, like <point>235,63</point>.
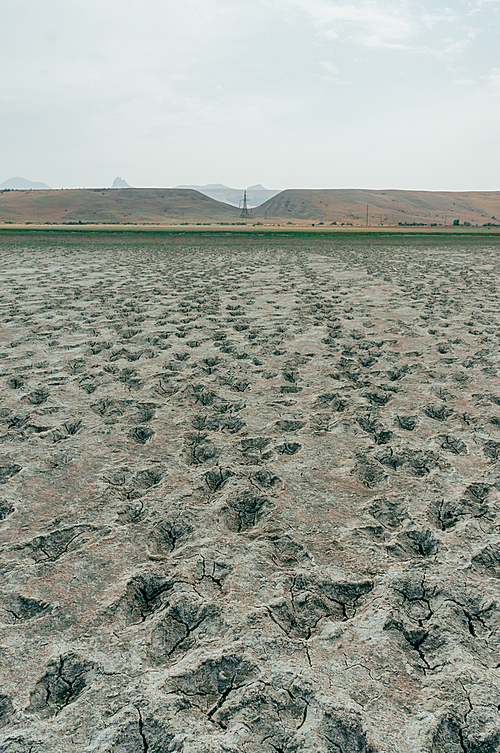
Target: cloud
<point>454,49</point>
<point>397,24</point>
<point>329,67</point>
<point>494,81</point>
<point>431,20</point>
<point>375,24</point>
<point>198,90</point>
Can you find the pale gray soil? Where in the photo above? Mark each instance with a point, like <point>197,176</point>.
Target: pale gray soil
<point>249,496</point>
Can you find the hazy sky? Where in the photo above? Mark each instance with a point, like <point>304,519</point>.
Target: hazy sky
<point>288,93</point>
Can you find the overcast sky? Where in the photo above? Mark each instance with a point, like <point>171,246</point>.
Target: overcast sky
<point>288,93</point>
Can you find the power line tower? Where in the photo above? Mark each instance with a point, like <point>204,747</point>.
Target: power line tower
<point>244,207</point>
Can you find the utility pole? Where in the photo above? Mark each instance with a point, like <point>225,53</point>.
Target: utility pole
<point>367,215</point>
<point>244,208</point>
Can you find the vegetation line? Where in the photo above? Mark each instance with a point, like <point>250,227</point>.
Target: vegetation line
<point>247,230</point>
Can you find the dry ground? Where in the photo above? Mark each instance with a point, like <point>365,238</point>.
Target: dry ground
<point>249,495</point>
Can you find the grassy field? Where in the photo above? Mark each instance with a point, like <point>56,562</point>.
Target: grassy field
<point>248,229</point>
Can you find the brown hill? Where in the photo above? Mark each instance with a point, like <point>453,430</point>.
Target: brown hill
<point>131,205</point>
<point>301,206</point>
<point>384,207</point>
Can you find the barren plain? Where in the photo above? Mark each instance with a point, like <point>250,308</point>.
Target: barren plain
<point>249,494</point>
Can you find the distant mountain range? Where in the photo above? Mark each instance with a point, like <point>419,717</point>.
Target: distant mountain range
<point>21,183</point>
<point>256,195</point>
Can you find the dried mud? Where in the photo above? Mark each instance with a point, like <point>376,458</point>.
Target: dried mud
<point>249,496</point>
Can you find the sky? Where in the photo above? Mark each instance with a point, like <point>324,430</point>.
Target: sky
<point>287,93</point>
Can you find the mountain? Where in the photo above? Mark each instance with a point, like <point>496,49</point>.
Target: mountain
<point>256,195</point>
<point>385,207</point>
<point>209,187</point>
<point>113,205</point>
<point>120,183</point>
<point>21,183</point>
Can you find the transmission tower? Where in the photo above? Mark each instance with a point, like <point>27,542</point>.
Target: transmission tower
<point>244,207</point>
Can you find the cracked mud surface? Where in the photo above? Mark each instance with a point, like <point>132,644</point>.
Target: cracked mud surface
<point>249,496</point>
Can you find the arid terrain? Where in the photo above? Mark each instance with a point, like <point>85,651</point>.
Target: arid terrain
<point>164,206</point>
<point>385,207</point>
<point>249,494</point>
<point>119,205</point>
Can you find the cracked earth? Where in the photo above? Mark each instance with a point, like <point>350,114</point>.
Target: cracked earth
<point>249,495</point>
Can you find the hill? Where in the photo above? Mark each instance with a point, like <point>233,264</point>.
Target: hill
<point>388,207</point>
<point>303,207</point>
<point>21,183</point>
<point>113,205</point>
